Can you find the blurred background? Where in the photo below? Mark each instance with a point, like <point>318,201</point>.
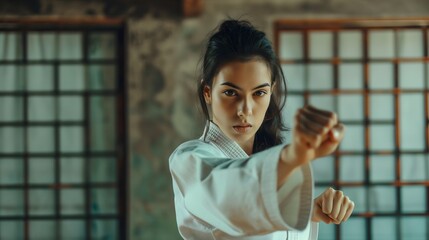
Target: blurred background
<point>96,94</point>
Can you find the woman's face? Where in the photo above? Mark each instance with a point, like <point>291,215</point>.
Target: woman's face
<point>239,99</point>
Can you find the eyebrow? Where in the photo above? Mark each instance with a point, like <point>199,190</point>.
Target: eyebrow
<point>235,86</point>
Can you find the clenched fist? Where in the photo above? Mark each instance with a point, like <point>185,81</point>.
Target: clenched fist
<point>332,206</point>
<point>316,133</point>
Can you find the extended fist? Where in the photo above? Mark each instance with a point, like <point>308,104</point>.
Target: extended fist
<point>317,133</point>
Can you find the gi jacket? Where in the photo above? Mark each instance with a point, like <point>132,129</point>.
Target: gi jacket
<point>222,193</point>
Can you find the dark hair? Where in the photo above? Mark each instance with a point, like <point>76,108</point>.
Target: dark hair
<point>237,40</point>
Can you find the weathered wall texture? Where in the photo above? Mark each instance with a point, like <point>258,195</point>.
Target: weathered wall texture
<point>163,53</point>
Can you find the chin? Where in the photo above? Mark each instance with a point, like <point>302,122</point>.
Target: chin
<point>242,137</point>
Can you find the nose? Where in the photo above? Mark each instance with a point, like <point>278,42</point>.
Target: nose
<point>245,108</point>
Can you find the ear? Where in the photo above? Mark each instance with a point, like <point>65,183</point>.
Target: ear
<point>207,94</point>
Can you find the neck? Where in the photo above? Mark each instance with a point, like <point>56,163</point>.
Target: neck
<point>247,146</point>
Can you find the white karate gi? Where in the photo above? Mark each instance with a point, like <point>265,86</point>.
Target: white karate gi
<point>222,193</point>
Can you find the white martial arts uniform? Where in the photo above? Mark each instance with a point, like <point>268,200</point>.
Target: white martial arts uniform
<point>222,193</point>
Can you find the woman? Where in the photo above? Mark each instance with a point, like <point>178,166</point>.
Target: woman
<point>239,180</point>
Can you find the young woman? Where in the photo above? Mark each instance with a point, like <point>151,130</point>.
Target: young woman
<point>239,180</point>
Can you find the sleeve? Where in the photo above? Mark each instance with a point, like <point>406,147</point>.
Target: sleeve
<point>310,233</point>
<point>239,196</point>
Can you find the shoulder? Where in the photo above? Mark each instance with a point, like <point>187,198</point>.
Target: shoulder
<point>194,155</point>
<point>194,147</point>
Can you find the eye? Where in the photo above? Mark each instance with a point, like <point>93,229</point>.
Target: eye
<point>260,93</point>
<point>230,93</point>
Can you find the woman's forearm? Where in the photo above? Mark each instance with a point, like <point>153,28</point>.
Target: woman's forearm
<point>287,164</point>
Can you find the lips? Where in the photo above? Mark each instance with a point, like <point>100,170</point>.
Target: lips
<point>242,128</point>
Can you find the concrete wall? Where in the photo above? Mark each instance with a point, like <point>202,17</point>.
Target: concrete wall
<point>163,53</point>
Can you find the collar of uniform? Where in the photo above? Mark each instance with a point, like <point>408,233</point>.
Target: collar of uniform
<point>213,135</point>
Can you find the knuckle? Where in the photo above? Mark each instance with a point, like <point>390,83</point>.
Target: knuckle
<point>332,117</point>
<point>331,122</point>
<point>339,194</point>
<point>335,117</point>
<point>329,191</point>
<point>325,129</point>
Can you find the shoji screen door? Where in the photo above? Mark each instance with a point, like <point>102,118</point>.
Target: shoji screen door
<point>62,130</point>
<point>374,74</point>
